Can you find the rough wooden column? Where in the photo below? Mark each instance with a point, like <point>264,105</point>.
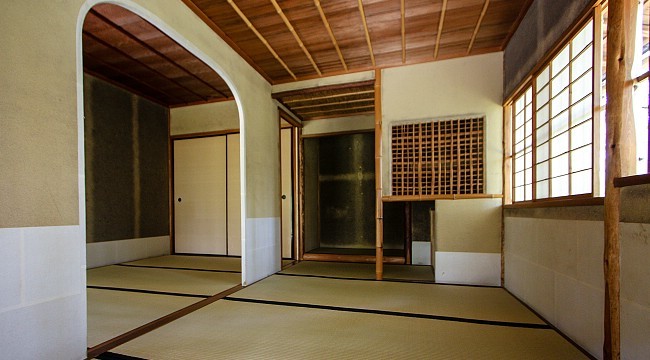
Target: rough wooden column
<point>379,223</point>
<point>619,161</point>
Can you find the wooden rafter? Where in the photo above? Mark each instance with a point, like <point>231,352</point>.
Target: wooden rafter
<point>332,96</point>
<point>129,35</point>
<point>402,10</point>
<point>313,90</point>
<point>337,103</point>
<point>329,31</point>
<point>441,23</point>
<point>295,35</point>
<point>478,25</point>
<point>365,107</point>
<point>365,27</point>
<point>262,38</point>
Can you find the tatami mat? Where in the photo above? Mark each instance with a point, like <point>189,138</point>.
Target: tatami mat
<point>360,271</point>
<point>479,303</point>
<point>234,330</point>
<point>112,313</point>
<point>162,280</point>
<point>217,263</point>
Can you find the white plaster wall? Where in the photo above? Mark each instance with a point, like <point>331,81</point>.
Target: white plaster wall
<point>556,267</point>
<point>119,251</point>
<point>42,288</point>
<point>204,118</point>
<point>442,89</point>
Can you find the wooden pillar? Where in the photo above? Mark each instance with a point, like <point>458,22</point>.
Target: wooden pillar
<point>619,121</point>
<point>379,223</point>
<point>408,231</point>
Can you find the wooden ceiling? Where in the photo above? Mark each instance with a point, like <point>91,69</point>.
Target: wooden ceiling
<point>293,40</point>
<point>124,49</point>
<point>330,101</point>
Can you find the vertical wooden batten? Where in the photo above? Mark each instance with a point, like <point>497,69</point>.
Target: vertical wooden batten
<point>379,255</point>
<point>619,121</point>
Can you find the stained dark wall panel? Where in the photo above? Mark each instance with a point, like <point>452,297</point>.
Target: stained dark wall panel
<point>126,151</point>
<point>540,30</point>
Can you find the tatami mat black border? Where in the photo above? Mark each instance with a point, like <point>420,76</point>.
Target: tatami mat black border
<point>154,292</point>
<point>428,282</point>
<point>393,313</point>
<point>115,356</point>
<point>178,268</point>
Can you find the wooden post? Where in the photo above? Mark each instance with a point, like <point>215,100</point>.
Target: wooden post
<point>408,231</point>
<point>379,223</point>
<point>620,53</point>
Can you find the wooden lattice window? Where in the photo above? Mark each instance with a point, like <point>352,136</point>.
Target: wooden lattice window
<point>438,157</point>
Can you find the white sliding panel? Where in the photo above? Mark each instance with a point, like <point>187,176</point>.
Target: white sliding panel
<point>234,196</point>
<point>287,192</point>
<point>200,195</point>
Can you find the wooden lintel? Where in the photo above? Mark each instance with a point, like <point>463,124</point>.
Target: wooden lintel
<point>337,103</point>
<point>312,90</point>
<point>369,93</point>
<point>354,108</point>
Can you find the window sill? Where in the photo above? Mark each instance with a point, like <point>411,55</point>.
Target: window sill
<point>591,201</point>
<point>632,180</point>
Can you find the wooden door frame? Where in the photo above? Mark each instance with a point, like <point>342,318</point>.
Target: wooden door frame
<point>296,182</point>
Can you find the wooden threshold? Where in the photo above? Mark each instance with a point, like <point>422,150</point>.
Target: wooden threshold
<point>139,331</point>
<point>370,259</point>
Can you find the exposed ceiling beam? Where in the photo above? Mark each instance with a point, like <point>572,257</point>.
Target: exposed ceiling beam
<point>295,35</point>
<point>262,39</point>
<point>366,107</point>
<point>478,25</point>
<point>338,103</point>
<point>441,23</point>
<point>333,96</point>
<point>403,33</point>
<point>365,27</point>
<point>150,48</point>
<point>129,57</point>
<point>329,31</point>
<point>318,89</point>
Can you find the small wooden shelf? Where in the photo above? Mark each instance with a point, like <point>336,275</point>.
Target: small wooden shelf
<point>439,197</point>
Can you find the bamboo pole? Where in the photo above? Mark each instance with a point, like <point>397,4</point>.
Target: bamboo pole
<point>379,223</point>
<point>478,25</point>
<point>365,28</point>
<point>441,25</point>
<point>620,53</point>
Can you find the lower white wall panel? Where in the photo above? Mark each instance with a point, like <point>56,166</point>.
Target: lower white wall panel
<point>115,252</point>
<point>468,268</point>
<point>262,249</point>
<point>555,266</point>
<point>43,293</point>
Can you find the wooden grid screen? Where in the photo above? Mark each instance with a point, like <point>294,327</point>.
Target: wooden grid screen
<point>438,158</point>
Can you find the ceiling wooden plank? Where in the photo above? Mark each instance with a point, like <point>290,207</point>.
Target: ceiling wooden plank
<point>331,97</point>
<point>153,50</point>
<point>142,64</point>
<point>262,39</point>
<point>295,35</point>
<point>478,25</point>
<point>441,23</point>
<point>365,27</point>
<point>319,89</point>
<point>402,11</point>
<point>339,110</point>
<point>329,104</point>
<point>331,34</point>
<point>206,19</point>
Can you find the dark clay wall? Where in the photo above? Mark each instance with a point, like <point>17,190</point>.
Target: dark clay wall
<point>540,30</point>
<point>126,147</point>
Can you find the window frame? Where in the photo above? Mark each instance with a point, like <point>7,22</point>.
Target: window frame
<point>530,84</point>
